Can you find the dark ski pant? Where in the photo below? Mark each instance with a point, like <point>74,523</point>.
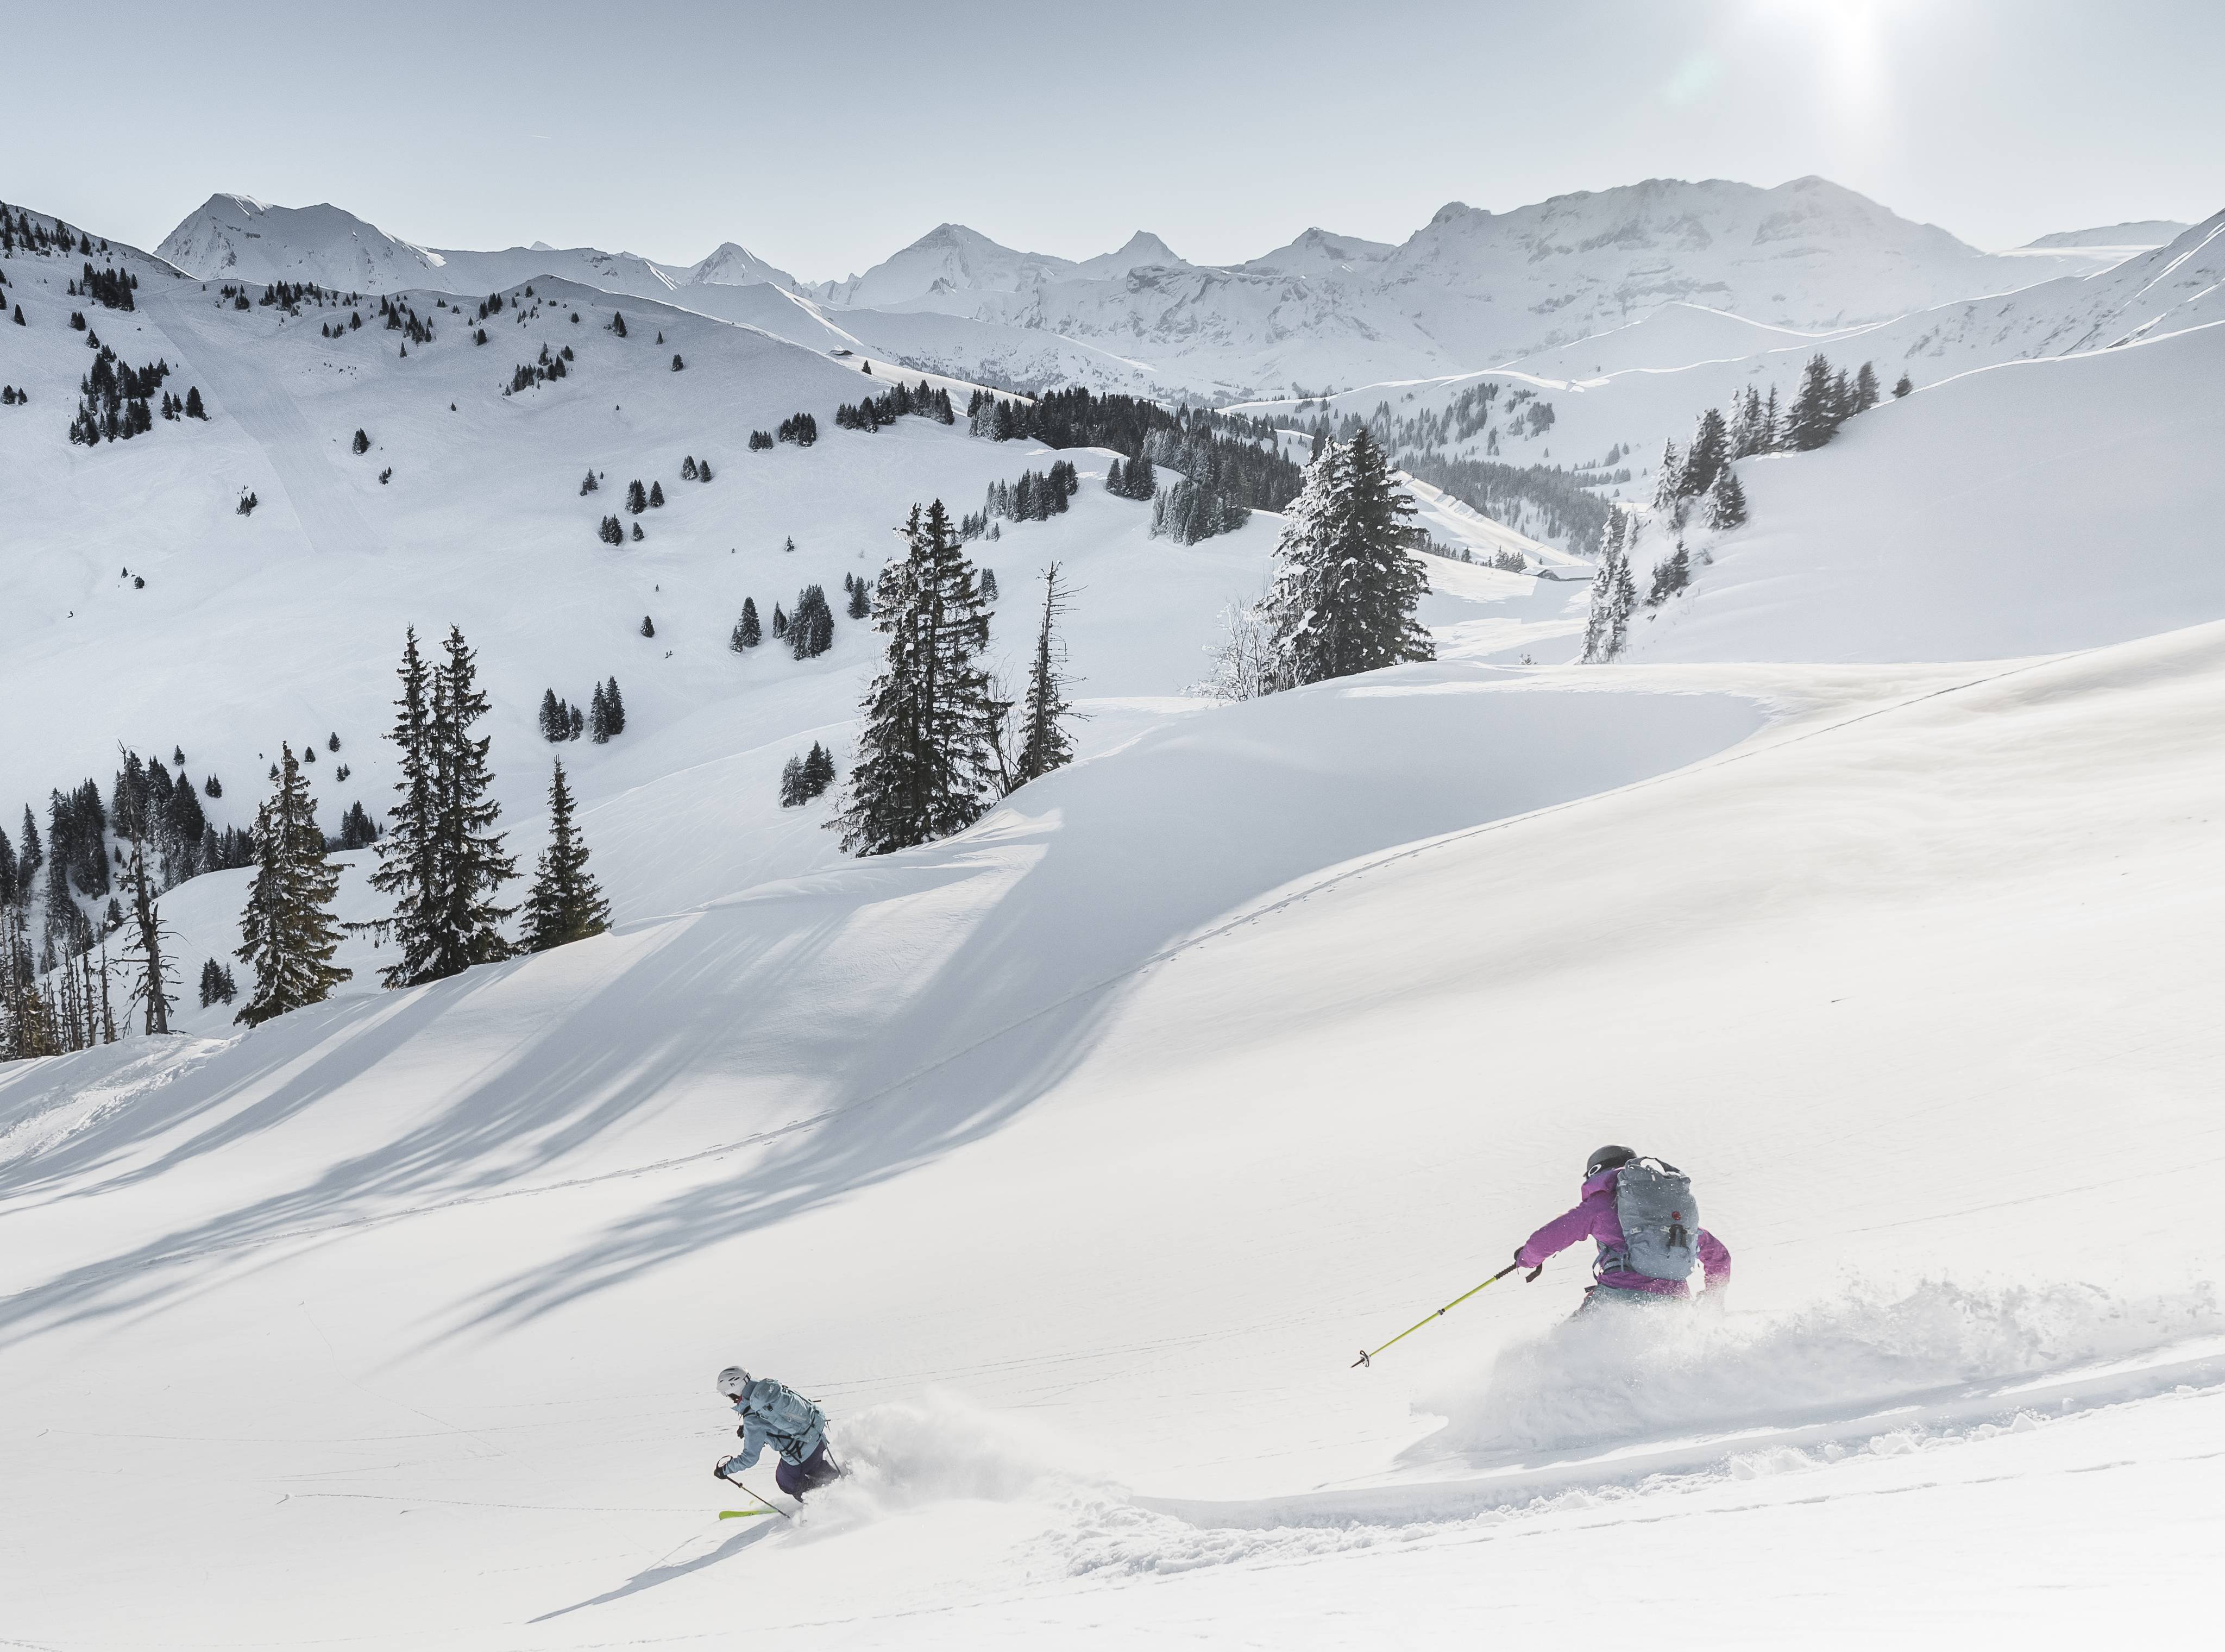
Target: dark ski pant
<point>813,1472</point>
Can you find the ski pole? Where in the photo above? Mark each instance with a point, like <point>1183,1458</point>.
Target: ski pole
<point>769,1504</point>
<point>1366,1357</point>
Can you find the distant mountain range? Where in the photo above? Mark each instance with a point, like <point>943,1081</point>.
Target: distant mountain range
<point>1471,289</point>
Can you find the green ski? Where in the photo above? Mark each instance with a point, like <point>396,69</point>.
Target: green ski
<point>744,1514</point>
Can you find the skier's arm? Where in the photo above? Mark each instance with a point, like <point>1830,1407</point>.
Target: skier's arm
<point>1560,1233</point>
<point>1715,1261</point>
<point>753,1442</point>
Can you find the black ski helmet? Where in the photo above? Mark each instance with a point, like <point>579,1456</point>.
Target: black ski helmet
<point>1608,1158</point>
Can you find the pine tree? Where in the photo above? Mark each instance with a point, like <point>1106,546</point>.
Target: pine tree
<point>472,863</point>
<point>409,858</point>
<point>194,408</point>
<point>1902,386</point>
<point>818,771</point>
<point>924,756</point>
<point>1116,483</point>
<point>746,632</point>
<point>792,792</point>
<point>1044,745</point>
<point>779,621</point>
<point>555,724</point>
<point>614,707</point>
<point>811,628</point>
<point>362,442</point>
<point>1813,417</point>
<point>861,602</point>
<point>565,903</point>
<point>636,496</point>
<point>647,626</point>
<point>657,496</point>
<point>441,859</point>
<point>152,991</point>
<point>1669,478</point>
<point>1704,460</point>
<point>1625,605</point>
<point>1599,624</point>
<point>1726,501</point>
<point>286,933</point>
<point>1865,388</point>
<point>587,483</point>
<point>1346,585</point>
<point>599,717</point>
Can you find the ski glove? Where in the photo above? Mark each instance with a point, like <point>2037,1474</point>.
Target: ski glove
<point>1529,1278</point>
<point>718,1468</point>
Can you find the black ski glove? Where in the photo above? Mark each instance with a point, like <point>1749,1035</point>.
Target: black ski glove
<point>718,1468</point>
<point>1529,1278</point>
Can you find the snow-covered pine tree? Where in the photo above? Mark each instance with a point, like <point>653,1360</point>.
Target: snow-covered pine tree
<point>1623,605</point>
<point>1599,623</point>
<point>599,717</point>
<point>779,621</point>
<point>747,632</point>
<point>1865,388</point>
<point>1726,501</point>
<point>1815,410</point>
<point>565,903</point>
<point>286,933</point>
<point>555,724</point>
<point>614,707</point>
<point>1044,744</point>
<point>657,496</point>
<point>924,757</point>
<point>647,626</point>
<point>1669,478</point>
<point>792,795</point>
<point>636,496</point>
<point>1902,386</point>
<point>588,483</point>
<point>1116,483</point>
<point>861,600</point>
<point>811,629</point>
<point>1347,584</point>
<point>818,769</point>
<point>1704,460</point>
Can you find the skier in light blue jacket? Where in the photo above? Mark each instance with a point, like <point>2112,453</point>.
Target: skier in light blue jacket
<point>778,1416</point>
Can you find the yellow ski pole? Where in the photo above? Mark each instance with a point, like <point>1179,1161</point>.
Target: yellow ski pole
<point>1366,1357</point>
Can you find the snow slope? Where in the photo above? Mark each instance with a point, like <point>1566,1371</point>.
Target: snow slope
<point>443,1274</point>
<point>2025,509</point>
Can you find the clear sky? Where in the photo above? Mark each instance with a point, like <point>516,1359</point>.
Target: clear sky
<point>825,135</point>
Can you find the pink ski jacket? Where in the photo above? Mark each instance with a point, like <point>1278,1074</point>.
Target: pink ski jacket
<point>1595,1219</point>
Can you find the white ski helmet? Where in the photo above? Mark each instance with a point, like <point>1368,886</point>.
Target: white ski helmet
<point>734,1382</point>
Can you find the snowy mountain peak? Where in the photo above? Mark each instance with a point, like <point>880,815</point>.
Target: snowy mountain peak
<point>735,265</point>
<point>1316,251</point>
<point>1144,250</point>
<point>242,238</point>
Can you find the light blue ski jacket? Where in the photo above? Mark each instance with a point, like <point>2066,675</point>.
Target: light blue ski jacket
<point>778,1416</point>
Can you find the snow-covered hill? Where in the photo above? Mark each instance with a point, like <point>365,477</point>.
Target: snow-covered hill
<point>1069,1161</point>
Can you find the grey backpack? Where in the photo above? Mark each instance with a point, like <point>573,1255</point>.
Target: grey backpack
<point>1660,1219</point>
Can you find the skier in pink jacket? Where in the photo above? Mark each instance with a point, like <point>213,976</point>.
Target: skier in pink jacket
<point>1640,1269</point>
